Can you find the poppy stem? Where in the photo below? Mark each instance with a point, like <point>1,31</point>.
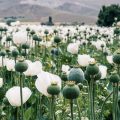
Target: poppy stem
<point>17,114</point>
<point>101,114</point>
<point>78,107</point>
<point>52,108</point>
<point>71,108</point>
<point>115,101</point>
<point>58,59</point>
<point>91,99</point>
<point>21,95</point>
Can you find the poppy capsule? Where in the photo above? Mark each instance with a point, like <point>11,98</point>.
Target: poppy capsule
<point>71,91</point>
<point>92,69</point>
<point>21,66</point>
<point>53,89</point>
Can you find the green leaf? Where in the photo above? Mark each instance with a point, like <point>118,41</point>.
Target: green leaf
<point>28,113</point>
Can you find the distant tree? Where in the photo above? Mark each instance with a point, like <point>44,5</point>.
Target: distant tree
<point>50,22</point>
<point>108,15</point>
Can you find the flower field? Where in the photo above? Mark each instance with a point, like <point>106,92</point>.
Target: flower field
<point>59,72</point>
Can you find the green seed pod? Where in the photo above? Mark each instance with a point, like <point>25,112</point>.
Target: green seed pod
<point>55,31</point>
<point>25,46</point>
<point>7,50</point>
<point>95,77</point>
<point>32,32</point>
<point>1,28</point>
<point>105,53</point>
<point>21,66</point>
<point>114,78</point>
<point>27,29</point>
<point>71,91</point>
<point>92,69</point>
<point>76,74</point>
<point>46,32</point>
<point>64,77</point>
<point>39,39</point>
<point>5,101</point>
<point>5,29</point>
<point>102,45</point>
<point>116,58</point>
<point>15,53</point>
<point>57,39</point>
<point>53,89</point>
<point>2,53</point>
<point>9,38</point>
<point>35,37</point>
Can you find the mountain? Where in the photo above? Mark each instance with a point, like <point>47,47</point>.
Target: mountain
<point>78,9</point>
<point>86,7</point>
<point>40,13</point>
<point>60,10</point>
<point>56,3</point>
<point>28,11</point>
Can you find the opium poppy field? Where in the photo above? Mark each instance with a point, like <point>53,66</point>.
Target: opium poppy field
<point>59,72</point>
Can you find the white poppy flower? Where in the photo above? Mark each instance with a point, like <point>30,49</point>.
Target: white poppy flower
<point>118,24</point>
<point>3,113</point>
<point>3,24</point>
<point>73,48</point>
<point>109,59</point>
<point>12,24</point>
<point>1,82</point>
<point>13,48</point>
<point>46,44</point>
<point>33,68</point>
<point>17,23</point>
<point>65,68</point>
<point>44,80</point>
<point>98,44</point>
<point>10,65</point>
<point>37,65</point>
<point>3,61</point>
<point>20,37</point>
<point>13,95</point>
<point>84,60</point>
<point>103,70</point>
<point>92,60</point>
<point>28,72</point>
<point>78,42</point>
